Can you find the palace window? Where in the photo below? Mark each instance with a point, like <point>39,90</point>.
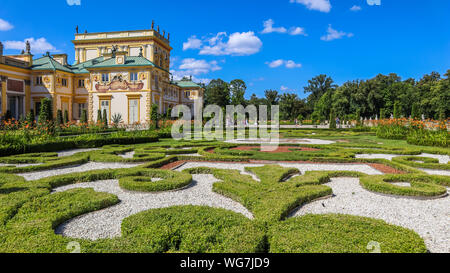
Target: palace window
<point>64,82</point>
<point>156,82</point>
<point>133,76</point>
<point>133,111</point>
<point>106,105</point>
<point>39,80</point>
<point>105,77</point>
<point>81,107</point>
<point>81,83</point>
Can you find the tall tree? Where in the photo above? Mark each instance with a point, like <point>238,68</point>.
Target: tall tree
<point>291,106</point>
<point>238,88</point>
<point>317,87</point>
<point>217,92</point>
<point>272,97</point>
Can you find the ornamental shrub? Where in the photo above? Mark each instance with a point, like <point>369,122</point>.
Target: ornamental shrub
<point>154,116</point>
<point>105,118</point>
<point>415,114</point>
<point>46,113</point>
<point>332,119</point>
<point>358,117</point>
<point>59,118</point>
<point>99,116</point>
<point>397,110</point>
<point>30,118</point>
<point>66,116</point>
<point>84,118</point>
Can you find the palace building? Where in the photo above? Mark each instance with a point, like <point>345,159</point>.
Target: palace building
<point>122,72</point>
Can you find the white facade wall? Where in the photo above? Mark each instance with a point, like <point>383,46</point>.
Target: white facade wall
<point>119,104</point>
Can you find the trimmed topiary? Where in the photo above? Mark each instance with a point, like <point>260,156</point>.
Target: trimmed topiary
<point>426,162</point>
<point>421,186</point>
<point>148,181</point>
<point>334,233</point>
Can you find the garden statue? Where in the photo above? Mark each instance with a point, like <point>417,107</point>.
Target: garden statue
<point>28,47</point>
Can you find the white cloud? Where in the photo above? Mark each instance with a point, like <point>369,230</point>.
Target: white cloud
<point>5,26</point>
<point>276,63</point>
<point>292,64</point>
<point>287,63</point>
<point>268,27</point>
<point>320,5</point>
<point>333,34</point>
<point>297,31</point>
<point>39,45</point>
<point>195,67</point>
<point>238,44</point>
<point>192,43</point>
<point>73,2</point>
<point>355,8</point>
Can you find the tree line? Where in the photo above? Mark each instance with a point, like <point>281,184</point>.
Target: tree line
<point>379,97</point>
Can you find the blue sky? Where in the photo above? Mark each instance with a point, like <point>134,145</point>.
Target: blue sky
<point>270,44</point>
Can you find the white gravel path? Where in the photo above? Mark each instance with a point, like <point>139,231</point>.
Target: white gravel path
<point>107,223</point>
<point>429,218</point>
<point>281,141</point>
<point>302,167</point>
<point>76,169</point>
<point>443,159</point>
<point>128,154</point>
<point>436,172</point>
<point>196,155</point>
<point>20,165</point>
<point>75,151</point>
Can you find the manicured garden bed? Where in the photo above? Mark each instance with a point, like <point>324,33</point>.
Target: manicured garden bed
<point>241,199</point>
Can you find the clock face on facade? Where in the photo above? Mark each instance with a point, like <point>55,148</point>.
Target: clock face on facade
<point>120,60</point>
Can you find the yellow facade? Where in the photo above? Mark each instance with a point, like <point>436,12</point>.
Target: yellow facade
<point>129,69</point>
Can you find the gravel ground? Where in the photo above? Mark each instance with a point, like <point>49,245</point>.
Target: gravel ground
<point>75,151</point>
<point>128,155</point>
<point>436,172</point>
<point>20,165</point>
<point>443,159</point>
<point>429,218</point>
<point>107,223</point>
<point>76,169</point>
<point>196,154</point>
<point>302,167</point>
<point>282,140</point>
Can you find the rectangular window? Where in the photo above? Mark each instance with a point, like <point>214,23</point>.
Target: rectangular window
<point>105,77</point>
<point>133,77</point>
<point>39,80</point>
<point>105,105</point>
<point>64,82</point>
<point>133,111</point>
<point>81,83</point>
<point>81,107</point>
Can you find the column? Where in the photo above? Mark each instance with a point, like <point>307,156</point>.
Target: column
<point>3,80</point>
<point>27,96</point>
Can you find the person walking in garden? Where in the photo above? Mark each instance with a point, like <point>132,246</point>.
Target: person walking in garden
<point>338,123</point>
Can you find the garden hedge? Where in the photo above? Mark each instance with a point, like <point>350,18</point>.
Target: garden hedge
<point>421,186</point>
<point>144,181</point>
<point>341,234</point>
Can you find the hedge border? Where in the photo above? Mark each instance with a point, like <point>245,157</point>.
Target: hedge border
<point>143,183</point>
<point>422,187</point>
